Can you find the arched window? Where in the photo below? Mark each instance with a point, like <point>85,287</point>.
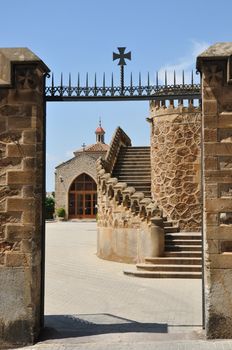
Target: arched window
<point>83,197</point>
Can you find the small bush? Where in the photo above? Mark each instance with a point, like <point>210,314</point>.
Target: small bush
<point>60,212</point>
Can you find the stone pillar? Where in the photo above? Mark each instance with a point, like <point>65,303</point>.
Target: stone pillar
<point>175,163</point>
<point>215,65</point>
<point>22,122</point>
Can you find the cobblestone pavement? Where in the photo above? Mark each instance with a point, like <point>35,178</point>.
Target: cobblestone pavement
<point>90,304</point>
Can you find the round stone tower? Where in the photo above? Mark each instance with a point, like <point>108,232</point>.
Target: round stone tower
<point>175,163</point>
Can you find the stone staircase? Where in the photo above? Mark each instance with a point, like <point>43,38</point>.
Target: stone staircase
<point>182,256</point>
<point>128,183</point>
<point>133,166</point>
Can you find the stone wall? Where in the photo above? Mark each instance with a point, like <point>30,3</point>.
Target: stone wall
<point>67,172</point>
<point>21,193</point>
<point>215,65</point>
<point>175,163</point>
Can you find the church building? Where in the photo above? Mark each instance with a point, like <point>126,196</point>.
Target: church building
<point>76,180</point>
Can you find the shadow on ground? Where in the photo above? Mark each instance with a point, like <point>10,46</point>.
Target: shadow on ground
<point>70,326</point>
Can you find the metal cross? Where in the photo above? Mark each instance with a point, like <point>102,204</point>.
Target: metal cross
<point>122,56</point>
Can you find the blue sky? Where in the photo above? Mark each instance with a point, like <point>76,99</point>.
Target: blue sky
<point>79,36</point>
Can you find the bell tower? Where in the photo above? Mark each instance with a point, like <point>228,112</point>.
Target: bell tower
<point>100,133</point>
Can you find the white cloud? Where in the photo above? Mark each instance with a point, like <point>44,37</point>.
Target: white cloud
<point>51,157</point>
<point>69,154</point>
<point>186,64</point>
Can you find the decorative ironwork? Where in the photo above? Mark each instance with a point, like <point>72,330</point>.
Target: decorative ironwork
<point>139,91</point>
<point>122,56</point>
<point>147,91</point>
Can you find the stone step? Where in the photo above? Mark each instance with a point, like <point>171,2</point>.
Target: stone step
<point>134,172</point>
<point>138,176</point>
<point>133,162</point>
<point>139,180</point>
<point>141,185</point>
<point>135,151</point>
<point>135,147</point>
<point>134,155</point>
<point>140,172</point>
<point>163,274</point>
<point>183,247</point>
<point>174,260</point>
<point>183,235</point>
<point>172,229</point>
<point>183,254</point>
<point>133,169</point>
<point>168,224</point>
<point>169,267</point>
<point>176,242</point>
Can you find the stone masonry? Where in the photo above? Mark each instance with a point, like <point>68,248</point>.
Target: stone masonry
<point>21,192</point>
<point>215,65</point>
<point>175,163</point>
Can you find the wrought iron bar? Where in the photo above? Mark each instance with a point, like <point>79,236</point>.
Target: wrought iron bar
<point>143,92</point>
<point>147,91</point>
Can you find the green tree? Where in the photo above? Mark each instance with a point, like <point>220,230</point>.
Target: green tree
<point>49,207</point>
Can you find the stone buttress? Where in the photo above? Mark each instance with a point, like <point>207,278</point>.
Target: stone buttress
<point>22,115</point>
<point>215,65</point>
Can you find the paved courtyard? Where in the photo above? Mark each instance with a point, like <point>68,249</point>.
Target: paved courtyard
<point>90,304</point>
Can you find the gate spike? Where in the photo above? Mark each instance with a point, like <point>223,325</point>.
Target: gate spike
<point>52,80</point>
<point>157,79</point>
<point>61,80</point>
<point>131,81</point>
<point>69,81</point>
<point>87,81</point>
<point>104,80</point>
<point>165,78</point>
<point>192,78</point>
<point>139,79</point>
<point>78,80</point>
<point>148,79</point>
<point>182,77</point>
<point>112,84</point>
<point>174,78</point>
<point>95,81</point>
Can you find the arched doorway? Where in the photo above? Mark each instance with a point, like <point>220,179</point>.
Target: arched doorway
<point>82,199</point>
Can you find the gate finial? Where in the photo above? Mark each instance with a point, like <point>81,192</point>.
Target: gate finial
<point>122,56</point>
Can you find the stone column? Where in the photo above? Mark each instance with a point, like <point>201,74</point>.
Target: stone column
<point>22,122</point>
<point>215,66</point>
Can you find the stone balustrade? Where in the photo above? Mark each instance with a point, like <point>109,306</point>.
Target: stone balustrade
<point>119,139</point>
<point>125,228</point>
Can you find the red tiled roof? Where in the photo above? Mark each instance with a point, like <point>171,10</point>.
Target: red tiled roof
<point>97,147</point>
<point>99,130</point>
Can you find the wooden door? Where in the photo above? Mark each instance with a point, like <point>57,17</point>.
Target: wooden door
<point>83,198</point>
